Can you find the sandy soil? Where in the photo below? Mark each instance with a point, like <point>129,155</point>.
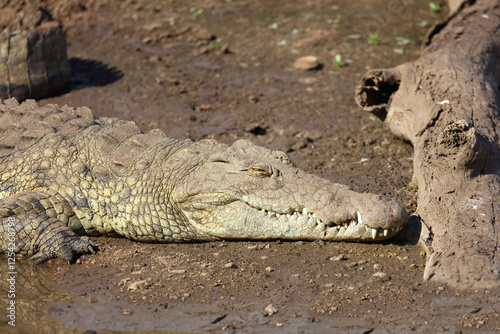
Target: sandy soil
<point>224,70</point>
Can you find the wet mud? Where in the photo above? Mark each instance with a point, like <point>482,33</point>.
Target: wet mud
<point>224,70</point>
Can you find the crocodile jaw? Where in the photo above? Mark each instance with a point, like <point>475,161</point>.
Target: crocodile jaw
<point>238,220</point>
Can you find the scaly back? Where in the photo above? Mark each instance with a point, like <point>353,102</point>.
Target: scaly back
<point>121,142</point>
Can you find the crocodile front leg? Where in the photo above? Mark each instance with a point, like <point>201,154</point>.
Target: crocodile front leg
<point>32,224</point>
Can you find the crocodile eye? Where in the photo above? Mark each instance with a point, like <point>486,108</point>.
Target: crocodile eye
<point>262,171</point>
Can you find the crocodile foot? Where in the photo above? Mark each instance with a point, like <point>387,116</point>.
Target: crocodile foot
<point>42,238</point>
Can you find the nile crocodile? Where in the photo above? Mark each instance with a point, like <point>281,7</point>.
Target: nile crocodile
<point>33,64</point>
<point>66,174</point>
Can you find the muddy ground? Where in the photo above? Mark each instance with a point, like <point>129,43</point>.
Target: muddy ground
<point>224,70</point>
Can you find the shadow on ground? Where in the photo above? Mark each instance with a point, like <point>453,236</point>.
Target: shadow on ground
<point>91,73</point>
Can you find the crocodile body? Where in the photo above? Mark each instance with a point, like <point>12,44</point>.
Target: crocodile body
<point>66,174</point>
<point>33,64</point>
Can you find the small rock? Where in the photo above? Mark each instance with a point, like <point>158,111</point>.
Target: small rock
<point>147,40</point>
<point>123,281</point>
<point>299,145</point>
<point>177,271</point>
<point>352,265</point>
<point>155,59</point>
<point>138,285</point>
<point>127,311</point>
<point>230,265</point>
<point>253,99</point>
<point>203,107</point>
<point>269,269</point>
<point>378,266</point>
<point>306,63</point>
<point>380,277</point>
<point>271,309</point>
<point>341,257</point>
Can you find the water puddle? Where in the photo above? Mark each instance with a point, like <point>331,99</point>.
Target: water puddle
<point>32,302</point>
<point>26,291</point>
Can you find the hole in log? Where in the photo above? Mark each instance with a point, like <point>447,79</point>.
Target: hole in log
<point>375,90</point>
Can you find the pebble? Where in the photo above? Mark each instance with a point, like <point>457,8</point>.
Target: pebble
<point>127,311</point>
<point>380,277</point>
<point>352,265</point>
<point>230,265</point>
<point>378,266</point>
<point>269,269</point>
<point>177,271</point>
<point>306,63</point>
<point>271,309</point>
<point>341,257</point>
<point>138,285</point>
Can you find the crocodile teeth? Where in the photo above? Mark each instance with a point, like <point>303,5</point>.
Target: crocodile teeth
<point>304,211</point>
<point>359,217</point>
<point>374,233</point>
<point>386,232</point>
<point>288,215</point>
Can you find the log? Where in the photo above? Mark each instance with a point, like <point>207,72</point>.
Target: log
<point>446,104</point>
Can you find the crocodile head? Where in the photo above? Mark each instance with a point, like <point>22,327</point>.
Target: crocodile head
<point>248,192</point>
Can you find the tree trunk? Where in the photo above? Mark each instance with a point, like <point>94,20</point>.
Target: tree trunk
<point>447,105</point>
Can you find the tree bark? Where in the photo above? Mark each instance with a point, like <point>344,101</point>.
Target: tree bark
<point>447,105</point>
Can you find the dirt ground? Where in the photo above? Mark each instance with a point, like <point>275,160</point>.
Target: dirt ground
<point>223,69</point>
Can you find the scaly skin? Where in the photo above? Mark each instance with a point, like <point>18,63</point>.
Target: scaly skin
<point>65,173</point>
